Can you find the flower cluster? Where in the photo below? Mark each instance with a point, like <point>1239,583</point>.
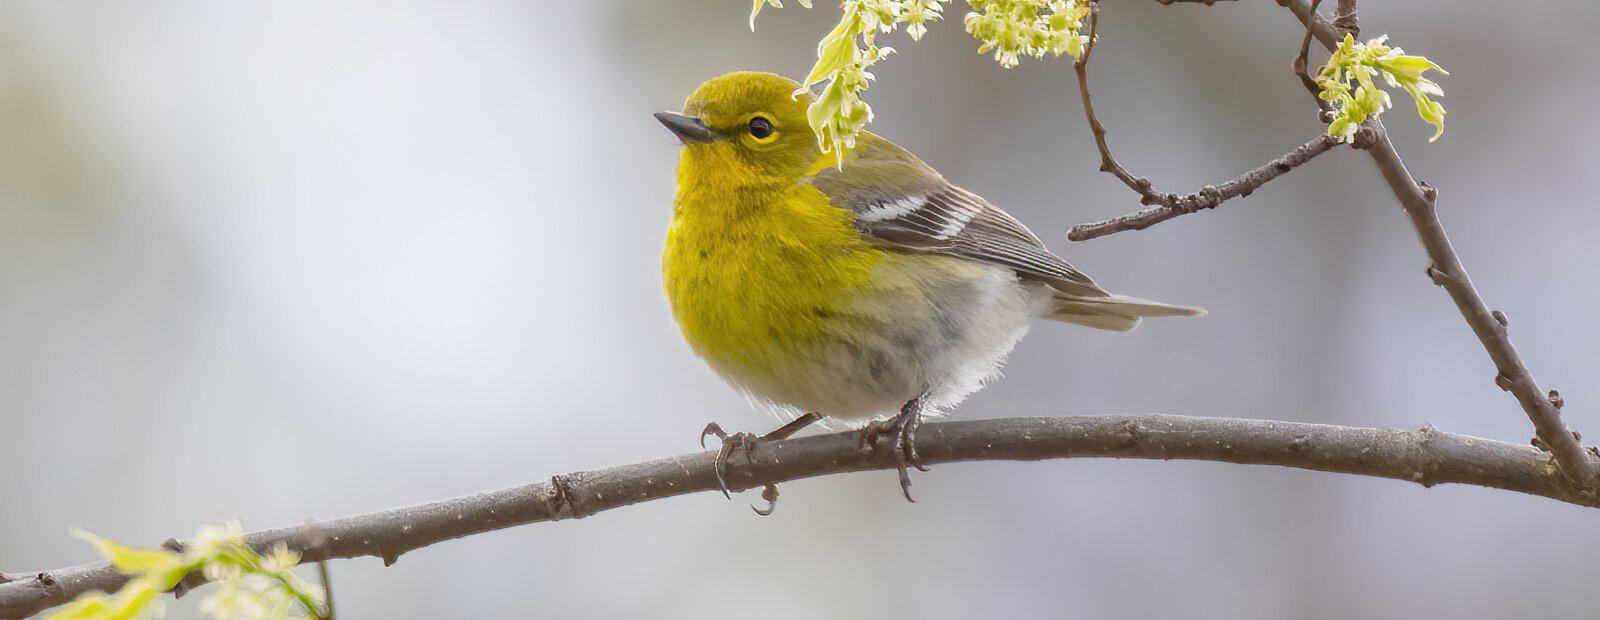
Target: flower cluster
<point>250,586</point>
<point>1017,28</point>
<point>1347,83</point>
<point>1010,28</point>
<point>1013,29</point>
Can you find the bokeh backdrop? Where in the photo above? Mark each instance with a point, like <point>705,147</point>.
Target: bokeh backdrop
<point>272,261</point>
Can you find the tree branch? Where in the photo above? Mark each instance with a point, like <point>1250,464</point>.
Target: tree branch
<point>1422,455</point>
<point>1447,271</point>
<point>1167,205</point>
<point>1171,205</point>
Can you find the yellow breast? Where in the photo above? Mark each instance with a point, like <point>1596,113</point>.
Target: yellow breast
<point>754,276</point>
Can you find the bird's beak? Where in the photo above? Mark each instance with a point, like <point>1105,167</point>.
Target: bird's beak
<point>686,128</point>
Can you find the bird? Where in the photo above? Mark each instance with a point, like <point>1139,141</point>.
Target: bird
<point>858,287</point>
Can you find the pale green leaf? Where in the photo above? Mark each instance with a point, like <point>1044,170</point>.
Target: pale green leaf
<point>1347,84</point>
<point>777,4</point>
<point>130,560</point>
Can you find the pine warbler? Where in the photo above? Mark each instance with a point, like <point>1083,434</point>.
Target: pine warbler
<point>849,291</point>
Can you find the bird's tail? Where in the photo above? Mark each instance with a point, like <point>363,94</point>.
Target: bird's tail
<point>1114,312</point>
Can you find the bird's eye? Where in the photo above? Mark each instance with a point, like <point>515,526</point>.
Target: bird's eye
<point>761,128</point>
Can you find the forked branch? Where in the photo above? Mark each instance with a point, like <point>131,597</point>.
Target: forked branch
<point>1446,270</point>
<point>1165,206</point>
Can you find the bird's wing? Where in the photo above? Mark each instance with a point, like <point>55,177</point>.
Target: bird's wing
<point>903,203</point>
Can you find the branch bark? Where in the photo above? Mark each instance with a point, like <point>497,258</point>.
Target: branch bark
<point>1344,18</point>
<point>1172,205</point>
<point>1446,270</point>
<point>1422,455</point>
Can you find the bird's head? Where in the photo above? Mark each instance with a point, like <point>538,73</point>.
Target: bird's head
<point>749,122</point>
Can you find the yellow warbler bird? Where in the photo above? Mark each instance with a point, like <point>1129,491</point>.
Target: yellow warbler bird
<point>850,291</point>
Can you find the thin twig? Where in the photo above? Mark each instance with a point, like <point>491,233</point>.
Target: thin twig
<point>1108,163</point>
<point>1208,197</point>
<point>1165,206</point>
<point>327,590</point>
<point>1302,69</point>
<point>1422,455</point>
<point>1446,270</point>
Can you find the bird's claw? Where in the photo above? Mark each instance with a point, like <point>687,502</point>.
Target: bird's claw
<point>770,494</point>
<point>712,428</point>
<point>731,442</point>
<point>904,429</point>
<point>742,442</point>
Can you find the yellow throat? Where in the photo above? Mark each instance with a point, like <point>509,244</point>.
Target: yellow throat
<point>755,265</point>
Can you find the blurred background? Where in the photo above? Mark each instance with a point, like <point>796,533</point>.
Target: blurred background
<point>305,259</point>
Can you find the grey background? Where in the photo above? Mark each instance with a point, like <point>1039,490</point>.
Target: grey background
<point>272,261</point>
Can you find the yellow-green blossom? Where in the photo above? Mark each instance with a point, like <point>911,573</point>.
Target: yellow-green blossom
<point>1011,28</point>
<point>918,13</point>
<point>1017,28</point>
<point>1347,84</point>
<point>777,4</point>
<point>843,59</point>
<point>249,586</point>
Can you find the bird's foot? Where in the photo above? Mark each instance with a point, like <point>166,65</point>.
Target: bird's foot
<point>742,443</point>
<point>903,428</point>
<point>731,442</point>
